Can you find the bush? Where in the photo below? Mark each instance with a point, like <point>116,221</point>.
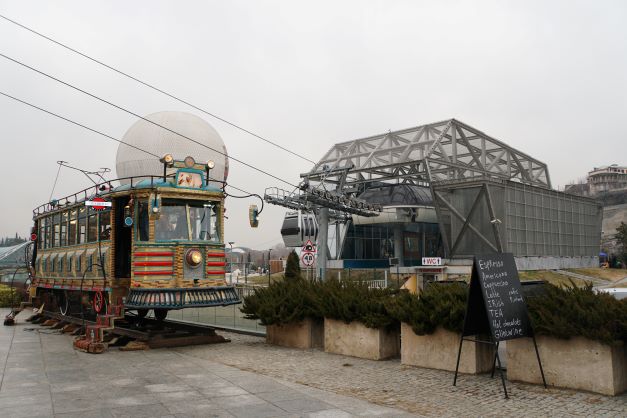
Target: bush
<point>8,296</point>
<point>435,306</point>
<point>570,311</point>
<point>350,301</point>
<point>283,302</point>
<point>292,266</point>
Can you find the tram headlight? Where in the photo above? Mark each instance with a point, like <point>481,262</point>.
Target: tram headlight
<point>193,258</point>
<point>211,164</point>
<point>167,159</point>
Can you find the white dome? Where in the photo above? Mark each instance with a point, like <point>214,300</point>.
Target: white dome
<point>144,135</point>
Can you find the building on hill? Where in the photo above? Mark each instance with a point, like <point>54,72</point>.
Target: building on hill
<point>608,186</point>
<point>601,180</point>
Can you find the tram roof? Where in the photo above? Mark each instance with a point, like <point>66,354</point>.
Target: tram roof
<point>135,183</point>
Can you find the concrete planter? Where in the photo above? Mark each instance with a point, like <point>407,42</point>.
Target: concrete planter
<point>306,334</point>
<point>439,351</point>
<point>576,363</point>
<point>357,340</point>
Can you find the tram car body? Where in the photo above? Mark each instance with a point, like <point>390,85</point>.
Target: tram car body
<point>152,242</point>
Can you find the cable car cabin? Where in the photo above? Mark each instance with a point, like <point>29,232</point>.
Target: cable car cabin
<point>154,242</point>
<point>298,228</point>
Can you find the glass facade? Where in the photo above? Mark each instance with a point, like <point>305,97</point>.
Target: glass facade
<point>376,242</point>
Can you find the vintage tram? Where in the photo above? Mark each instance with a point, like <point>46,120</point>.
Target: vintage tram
<point>134,244</point>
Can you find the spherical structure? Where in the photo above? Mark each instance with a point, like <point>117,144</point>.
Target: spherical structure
<point>131,162</point>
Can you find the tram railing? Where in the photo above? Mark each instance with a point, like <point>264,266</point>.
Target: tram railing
<point>102,189</point>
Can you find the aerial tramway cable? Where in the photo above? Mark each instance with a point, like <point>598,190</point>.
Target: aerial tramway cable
<point>145,119</point>
<point>172,96</point>
<point>102,134</point>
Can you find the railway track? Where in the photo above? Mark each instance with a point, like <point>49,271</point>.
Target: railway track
<point>133,331</point>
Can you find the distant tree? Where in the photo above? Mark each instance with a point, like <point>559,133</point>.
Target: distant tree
<point>292,267</point>
<point>621,238</point>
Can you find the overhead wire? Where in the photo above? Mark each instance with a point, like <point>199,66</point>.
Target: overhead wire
<point>98,132</point>
<point>151,86</point>
<point>143,118</point>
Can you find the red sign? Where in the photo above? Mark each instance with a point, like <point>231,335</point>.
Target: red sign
<point>33,237</point>
<point>98,203</point>
<point>308,259</point>
<point>309,247</point>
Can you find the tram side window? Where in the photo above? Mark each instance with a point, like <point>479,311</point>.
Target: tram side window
<point>82,226</point>
<point>72,229</point>
<point>48,243</point>
<point>41,242</point>
<point>105,225</point>
<point>92,228</point>
<point>143,221</point>
<point>64,218</point>
<point>56,232</point>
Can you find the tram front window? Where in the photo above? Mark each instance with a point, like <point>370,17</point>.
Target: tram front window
<point>195,221</point>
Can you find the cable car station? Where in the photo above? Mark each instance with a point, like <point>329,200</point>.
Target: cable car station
<point>443,189</point>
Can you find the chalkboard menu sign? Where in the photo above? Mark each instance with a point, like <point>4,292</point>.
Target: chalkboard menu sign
<point>495,301</point>
<point>496,307</point>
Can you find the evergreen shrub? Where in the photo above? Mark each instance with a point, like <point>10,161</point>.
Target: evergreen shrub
<point>570,311</point>
<point>283,302</point>
<point>350,301</point>
<point>437,305</point>
<point>292,266</point>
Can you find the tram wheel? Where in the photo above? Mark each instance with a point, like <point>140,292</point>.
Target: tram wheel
<point>63,301</point>
<point>141,313</point>
<point>161,314</point>
<point>99,302</point>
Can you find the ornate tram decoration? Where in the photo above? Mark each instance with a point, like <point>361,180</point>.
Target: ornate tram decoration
<point>153,242</point>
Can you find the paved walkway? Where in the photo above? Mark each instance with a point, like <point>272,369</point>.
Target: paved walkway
<point>42,376</point>
<point>424,392</point>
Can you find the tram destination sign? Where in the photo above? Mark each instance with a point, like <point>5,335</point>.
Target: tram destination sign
<point>495,299</point>
<point>98,203</point>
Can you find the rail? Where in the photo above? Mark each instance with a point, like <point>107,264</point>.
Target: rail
<point>103,189</point>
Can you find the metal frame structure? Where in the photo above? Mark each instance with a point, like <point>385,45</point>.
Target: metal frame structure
<point>438,151</point>
<point>443,151</point>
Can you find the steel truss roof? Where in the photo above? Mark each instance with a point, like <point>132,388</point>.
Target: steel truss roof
<point>447,150</point>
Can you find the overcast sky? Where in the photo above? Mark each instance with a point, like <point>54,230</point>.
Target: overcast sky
<point>546,77</point>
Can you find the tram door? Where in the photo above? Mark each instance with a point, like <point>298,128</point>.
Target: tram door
<point>123,238</point>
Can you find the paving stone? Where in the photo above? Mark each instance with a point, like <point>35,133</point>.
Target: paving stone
<point>92,413</point>
<point>147,411</point>
<point>226,402</point>
<point>223,391</point>
<point>302,405</point>
<point>27,411</point>
<point>257,411</point>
